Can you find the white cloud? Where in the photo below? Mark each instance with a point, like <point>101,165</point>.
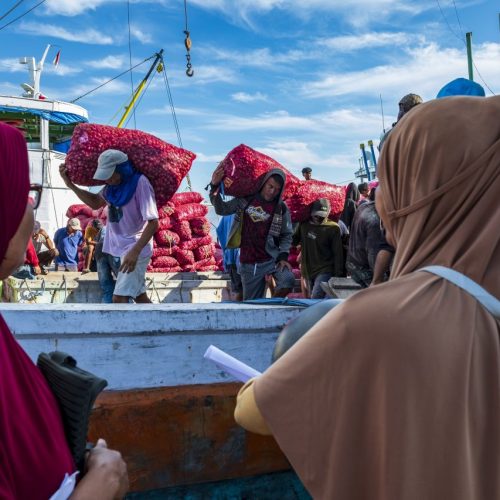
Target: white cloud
<point>425,70</point>
<point>114,87</point>
<point>140,35</point>
<point>279,120</point>
<point>339,123</point>
<point>109,62</point>
<point>90,35</point>
<point>12,65</point>
<point>203,75</point>
<point>349,43</point>
<point>71,7</point>
<point>244,97</point>
<point>258,58</point>
<point>356,12</point>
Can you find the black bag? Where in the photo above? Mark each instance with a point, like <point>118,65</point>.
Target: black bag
<point>76,391</point>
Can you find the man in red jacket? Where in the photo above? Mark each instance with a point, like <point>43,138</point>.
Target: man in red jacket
<point>31,266</point>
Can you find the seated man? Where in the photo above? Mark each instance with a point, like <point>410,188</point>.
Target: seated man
<point>31,266</point>
<point>90,240</point>
<point>67,240</point>
<point>41,239</point>
<point>262,229</point>
<point>321,248</point>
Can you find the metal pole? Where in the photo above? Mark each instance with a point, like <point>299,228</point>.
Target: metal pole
<point>370,143</point>
<point>468,37</point>
<point>365,161</point>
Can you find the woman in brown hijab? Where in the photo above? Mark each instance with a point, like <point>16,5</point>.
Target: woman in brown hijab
<point>408,409</point>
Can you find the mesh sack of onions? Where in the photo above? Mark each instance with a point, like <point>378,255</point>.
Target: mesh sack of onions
<point>79,209</point>
<point>164,261</point>
<point>184,257</point>
<point>245,169</point>
<point>173,269</point>
<point>186,197</point>
<point>166,210</point>
<point>165,237</point>
<point>308,192</point>
<point>165,222</point>
<point>200,226</point>
<point>182,228</point>
<point>162,251</point>
<point>195,242</point>
<point>190,211</point>
<point>163,164</point>
<point>203,252</point>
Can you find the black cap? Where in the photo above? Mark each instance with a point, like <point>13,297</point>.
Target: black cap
<point>321,207</point>
<point>306,170</point>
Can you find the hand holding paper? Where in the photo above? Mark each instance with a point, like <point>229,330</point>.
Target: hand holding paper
<point>231,365</point>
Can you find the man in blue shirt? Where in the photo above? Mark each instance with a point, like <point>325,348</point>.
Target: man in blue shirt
<point>67,240</point>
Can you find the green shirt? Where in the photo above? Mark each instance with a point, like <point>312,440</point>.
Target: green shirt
<point>321,247</point>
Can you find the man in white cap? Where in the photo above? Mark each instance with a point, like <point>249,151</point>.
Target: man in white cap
<point>132,220</point>
<point>67,240</point>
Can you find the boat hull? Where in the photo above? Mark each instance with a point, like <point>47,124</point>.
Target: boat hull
<point>174,436</point>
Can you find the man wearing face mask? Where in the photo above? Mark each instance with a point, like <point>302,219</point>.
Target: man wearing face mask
<point>321,247</point>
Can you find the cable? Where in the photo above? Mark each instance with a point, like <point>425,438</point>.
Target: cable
<point>461,38</point>
<point>11,9</point>
<point>174,117</point>
<point>458,19</point>
<point>186,14</point>
<point>114,78</point>
<point>130,58</point>
<point>22,15</point>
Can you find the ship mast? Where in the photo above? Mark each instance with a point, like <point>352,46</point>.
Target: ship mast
<point>32,89</point>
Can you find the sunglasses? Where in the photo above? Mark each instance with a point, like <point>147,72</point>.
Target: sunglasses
<point>35,195</point>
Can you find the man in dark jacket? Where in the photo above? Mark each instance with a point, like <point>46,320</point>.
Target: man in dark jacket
<point>262,229</point>
<point>321,248</point>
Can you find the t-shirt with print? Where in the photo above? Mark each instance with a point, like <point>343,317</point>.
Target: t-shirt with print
<point>257,219</point>
<point>126,224</point>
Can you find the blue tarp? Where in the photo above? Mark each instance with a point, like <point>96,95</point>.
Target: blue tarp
<point>276,301</point>
<point>53,116</point>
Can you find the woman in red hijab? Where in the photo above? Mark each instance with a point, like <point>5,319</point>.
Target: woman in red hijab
<point>34,455</point>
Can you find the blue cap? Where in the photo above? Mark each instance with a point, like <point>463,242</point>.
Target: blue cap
<point>461,86</point>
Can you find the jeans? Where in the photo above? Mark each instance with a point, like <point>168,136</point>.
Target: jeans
<point>107,269</point>
<point>315,285</point>
<point>24,272</point>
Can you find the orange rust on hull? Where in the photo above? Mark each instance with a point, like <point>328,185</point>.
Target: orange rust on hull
<point>182,435</point>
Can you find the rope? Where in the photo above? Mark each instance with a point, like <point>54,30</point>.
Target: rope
<point>461,38</point>
<point>11,9</point>
<point>130,58</point>
<point>174,117</point>
<point>22,15</point>
<point>112,79</point>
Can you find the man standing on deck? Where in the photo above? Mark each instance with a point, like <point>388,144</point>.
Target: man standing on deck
<point>132,220</point>
<point>307,173</point>
<point>321,248</point>
<point>262,229</point>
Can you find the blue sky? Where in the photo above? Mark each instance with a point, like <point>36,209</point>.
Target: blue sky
<point>298,80</point>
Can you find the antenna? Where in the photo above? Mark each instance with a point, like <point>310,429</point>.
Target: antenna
<point>382,110</point>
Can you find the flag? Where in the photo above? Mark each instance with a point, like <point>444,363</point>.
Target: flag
<point>56,59</point>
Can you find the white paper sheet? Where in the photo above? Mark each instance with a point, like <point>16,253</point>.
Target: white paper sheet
<point>233,366</point>
<point>66,488</point>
